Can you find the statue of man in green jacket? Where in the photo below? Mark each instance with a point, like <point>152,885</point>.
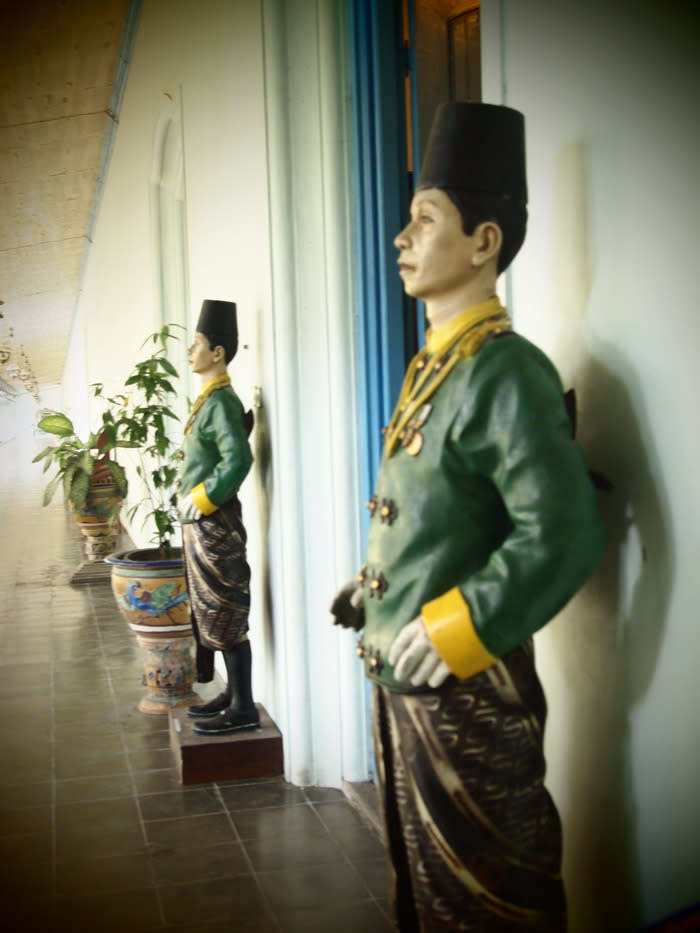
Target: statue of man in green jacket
<point>484,523</point>
<point>216,458</point>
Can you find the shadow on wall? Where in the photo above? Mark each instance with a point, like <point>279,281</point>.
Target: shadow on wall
<point>609,652</point>
<point>262,453</point>
<point>609,639</point>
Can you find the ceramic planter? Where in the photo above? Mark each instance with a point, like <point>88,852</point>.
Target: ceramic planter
<point>151,594</point>
<point>98,520</point>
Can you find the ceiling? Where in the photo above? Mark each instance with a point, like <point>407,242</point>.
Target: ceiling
<point>57,67</point>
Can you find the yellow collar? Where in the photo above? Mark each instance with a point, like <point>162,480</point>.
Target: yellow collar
<point>218,382</point>
<point>458,339</point>
<point>437,340</point>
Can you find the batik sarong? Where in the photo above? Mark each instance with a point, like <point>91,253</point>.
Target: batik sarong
<point>474,837</point>
<point>218,578</point>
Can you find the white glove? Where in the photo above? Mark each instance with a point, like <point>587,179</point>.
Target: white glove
<point>188,510</point>
<point>413,657</point>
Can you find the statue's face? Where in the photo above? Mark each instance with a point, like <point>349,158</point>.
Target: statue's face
<point>435,254</point>
<point>202,358</point>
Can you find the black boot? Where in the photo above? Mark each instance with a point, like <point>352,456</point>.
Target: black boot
<point>212,708</point>
<point>242,713</point>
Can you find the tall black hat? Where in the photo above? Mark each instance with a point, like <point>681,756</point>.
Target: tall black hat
<point>476,148</point>
<point>217,321</point>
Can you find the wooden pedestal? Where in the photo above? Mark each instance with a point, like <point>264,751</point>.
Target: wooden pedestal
<point>200,759</point>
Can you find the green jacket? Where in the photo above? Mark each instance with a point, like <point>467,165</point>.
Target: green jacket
<point>216,455</point>
<point>495,503</point>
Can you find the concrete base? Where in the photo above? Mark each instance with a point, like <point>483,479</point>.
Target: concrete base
<point>199,759</point>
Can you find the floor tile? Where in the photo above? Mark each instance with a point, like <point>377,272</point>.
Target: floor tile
<point>25,849</point>
<point>268,853</point>
<point>89,763</point>
<point>150,759</point>
<point>31,772</point>
<point>142,741</point>
<point>184,802</point>
<point>290,822</point>
<point>189,833</point>
<point>27,820</point>
<point>365,917</point>
<point>255,796</point>
<point>102,788</point>
<point>332,883</point>
<point>77,876</point>
<point>155,782</point>
<point>109,912</point>
<point>375,873</point>
<point>96,832</point>
<point>239,901</point>
<point>99,843</point>
<point>184,865</point>
<point>25,795</point>
<point>347,827</point>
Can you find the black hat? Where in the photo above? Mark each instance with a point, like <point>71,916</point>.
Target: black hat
<point>477,148</point>
<point>217,321</point>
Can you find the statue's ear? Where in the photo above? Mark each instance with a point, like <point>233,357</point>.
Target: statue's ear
<point>489,239</point>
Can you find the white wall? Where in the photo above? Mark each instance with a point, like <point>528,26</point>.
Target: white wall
<point>263,91</point>
<point>607,284</point>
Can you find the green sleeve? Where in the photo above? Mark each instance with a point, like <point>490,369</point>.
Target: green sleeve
<point>513,429</point>
<point>225,430</point>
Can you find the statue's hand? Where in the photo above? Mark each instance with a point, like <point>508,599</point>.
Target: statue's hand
<point>414,657</point>
<point>348,607</point>
<point>188,510</point>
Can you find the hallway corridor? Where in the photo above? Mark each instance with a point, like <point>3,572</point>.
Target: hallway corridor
<point>95,831</point>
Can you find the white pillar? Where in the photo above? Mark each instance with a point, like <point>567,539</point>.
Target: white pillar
<point>311,389</point>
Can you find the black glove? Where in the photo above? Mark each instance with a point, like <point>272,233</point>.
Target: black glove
<point>348,607</point>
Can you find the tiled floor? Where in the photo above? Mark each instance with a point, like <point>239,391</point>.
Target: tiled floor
<point>95,831</point>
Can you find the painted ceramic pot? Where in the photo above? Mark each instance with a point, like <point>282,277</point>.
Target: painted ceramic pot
<point>152,596</point>
<point>98,520</point>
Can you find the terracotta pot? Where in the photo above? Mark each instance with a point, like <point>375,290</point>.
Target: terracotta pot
<point>152,596</point>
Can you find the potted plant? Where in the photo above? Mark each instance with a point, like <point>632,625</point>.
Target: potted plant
<point>141,418</point>
<point>149,583</point>
<point>94,485</point>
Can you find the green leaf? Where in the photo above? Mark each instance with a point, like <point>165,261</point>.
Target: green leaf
<point>57,424</point>
<point>87,463</point>
<point>51,489</point>
<point>114,511</point>
<point>46,452</point>
<point>167,387</point>
<point>119,476</point>
<point>168,367</point>
<point>79,489</point>
<point>68,475</point>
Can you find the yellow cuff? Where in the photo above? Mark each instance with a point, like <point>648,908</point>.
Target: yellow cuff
<point>448,622</point>
<point>202,500</point>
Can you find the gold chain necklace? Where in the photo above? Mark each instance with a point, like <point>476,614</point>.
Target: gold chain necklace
<point>427,372</point>
<point>217,383</point>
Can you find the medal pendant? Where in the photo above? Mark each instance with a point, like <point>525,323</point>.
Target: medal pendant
<point>415,445</point>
